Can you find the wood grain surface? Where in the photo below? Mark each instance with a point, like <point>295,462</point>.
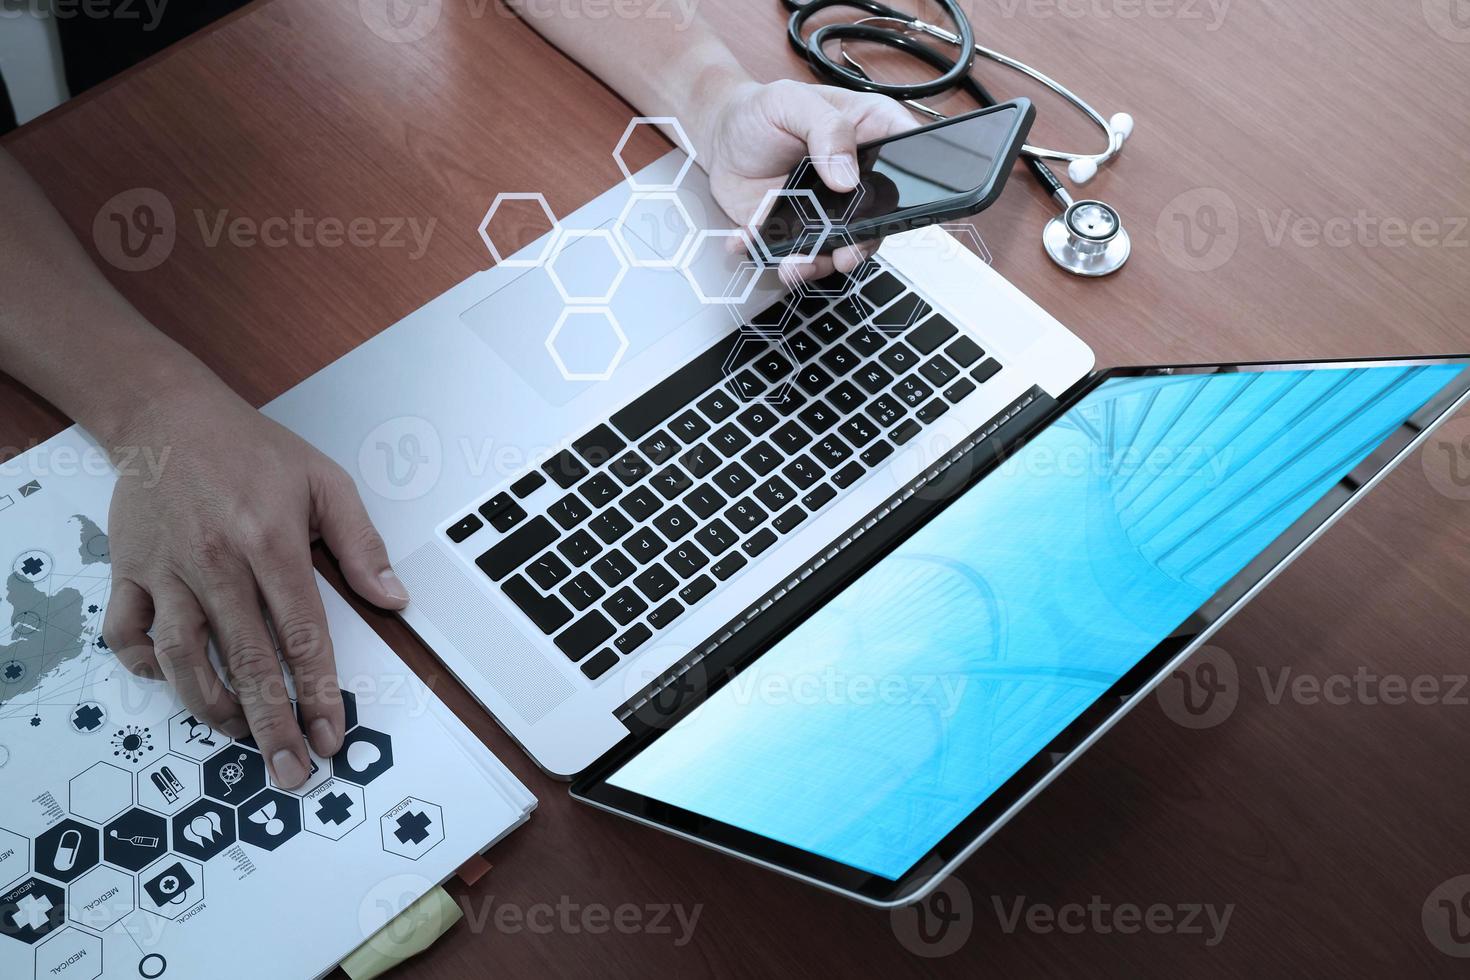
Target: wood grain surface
<point>1297,187</point>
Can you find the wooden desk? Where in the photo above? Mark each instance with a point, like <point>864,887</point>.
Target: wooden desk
<point>1325,826</point>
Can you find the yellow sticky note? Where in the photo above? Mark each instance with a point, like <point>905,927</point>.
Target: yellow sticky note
<point>409,933</point>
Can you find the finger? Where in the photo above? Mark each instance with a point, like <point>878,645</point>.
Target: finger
<point>876,116</point>
<point>181,644</point>
<point>232,603</point>
<point>849,257</point>
<point>829,135</point>
<point>295,604</point>
<point>348,531</point>
<point>125,628</point>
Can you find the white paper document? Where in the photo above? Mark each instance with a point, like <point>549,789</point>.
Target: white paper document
<point>137,842</point>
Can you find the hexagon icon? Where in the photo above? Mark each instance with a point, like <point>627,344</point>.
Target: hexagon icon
<point>192,738</point>
<point>650,181</point>
<point>67,850</point>
<point>233,775</point>
<point>717,274</point>
<point>654,229</point>
<point>593,337</point>
<point>548,240</point>
<point>768,377</point>
<point>99,898</point>
<point>790,215</point>
<point>366,754</point>
<point>334,809</point>
<point>32,910</point>
<point>839,209</point>
<point>135,840</point>
<point>171,887</point>
<point>169,785</point>
<point>204,829</point>
<point>597,269</point>
<point>15,856</point>
<point>71,953</point>
<point>412,828</point>
<point>270,819</point>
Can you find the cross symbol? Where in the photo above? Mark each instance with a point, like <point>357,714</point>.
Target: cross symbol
<point>87,718</point>
<point>335,808</point>
<point>413,828</point>
<point>32,912</point>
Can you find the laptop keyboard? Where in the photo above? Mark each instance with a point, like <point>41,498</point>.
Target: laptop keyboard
<point>689,483</point>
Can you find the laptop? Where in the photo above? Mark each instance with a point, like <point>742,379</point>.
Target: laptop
<point>834,581</point>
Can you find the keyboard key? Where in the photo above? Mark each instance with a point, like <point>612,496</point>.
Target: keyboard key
<point>547,570</point>
<point>716,537</point>
<point>642,503</point>
<point>877,452</point>
<point>697,589</point>
<point>705,501</point>
<point>665,614</point>
<point>873,377</point>
<point>689,426</point>
<point>759,542</point>
<point>986,371</point>
<point>718,405</point>
<point>786,406</point>
<point>867,341</point>
<point>831,450</point>
<point>912,391</point>
<point>671,482</point>
<point>729,441</point>
<point>582,591</point>
<point>787,520</point>
<point>827,327</point>
<point>886,410</point>
<point>964,351</point>
<point>522,545</point>
<point>659,447</point>
<point>773,317</point>
<point>610,526</point>
<point>762,458</point>
<point>528,485</point>
<point>819,417</point>
<point>686,559</point>
<point>605,661</point>
<point>901,315</point>
<point>728,566</point>
<point>859,431</point>
<point>812,379</point>
<point>629,468</point>
<point>848,475</point>
<point>565,469</point>
<point>689,382</point>
<point>899,358</point>
<point>819,498</point>
<point>883,289</point>
<point>775,493</point>
<point>803,345</point>
<point>613,567</point>
<point>569,511</point>
<point>656,582</point>
<point>757,419</point>
<point>933,410</point>
<point>802,471</point>
<point>674,523</point>
<point>502,512</point>
<point>905,432</point>
<point>547,612</point>
<point>579,549</point>
<point>746,386</point>
<point>938,371</point>
<point>633,639</point>
<point>734,480</point>
<point>840,359</point>
<point>700,461</point>
<point>585,635</point>
<point>959,390</point>
<point>600,491</point>
<point>791,438</point>
<point>625,605</point>
<point>846,398</point>
<point>466,526</point>
<point>929,335</point>
<point>773,367</point>
<point>747,515</point>
<point>599,445</point>
<point>645,545</point>
<point>853,310</point>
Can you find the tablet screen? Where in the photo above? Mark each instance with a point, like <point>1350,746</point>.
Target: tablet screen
<point>882,721</point>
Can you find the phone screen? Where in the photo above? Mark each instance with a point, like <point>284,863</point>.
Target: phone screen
<point>909,171</point>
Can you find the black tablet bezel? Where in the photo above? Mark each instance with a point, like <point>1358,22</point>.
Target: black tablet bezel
<point>796,605</point>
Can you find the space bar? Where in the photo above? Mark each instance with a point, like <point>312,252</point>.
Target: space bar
<point>680,388</point>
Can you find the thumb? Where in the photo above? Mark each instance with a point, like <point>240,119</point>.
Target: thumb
<point>829,135</point>
<point>344,525</point>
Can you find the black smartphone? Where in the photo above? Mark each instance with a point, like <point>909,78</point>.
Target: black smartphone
<point>950,169</point>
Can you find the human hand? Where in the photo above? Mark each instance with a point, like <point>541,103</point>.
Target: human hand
<point>228,526</point>
<point>761,132</point>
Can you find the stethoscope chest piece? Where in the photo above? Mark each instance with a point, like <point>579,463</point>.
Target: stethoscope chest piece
<point>1088,239</point>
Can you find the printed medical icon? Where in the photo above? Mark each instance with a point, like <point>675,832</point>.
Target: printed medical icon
<point>135,840</point>
<point>67,850</point>
<point>204,829</point>
<point>132,743</point>
<point>171,886</point>
<point>270,819</point>
<point>234,774</point>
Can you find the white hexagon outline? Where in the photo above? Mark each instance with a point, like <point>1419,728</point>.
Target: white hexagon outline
<point>566,314</point>
<point>799,175</point>
<point>571,235</point>
<point>147,873</point>
<point>551,237</point>
<point>349,788</point>
<point>131,894</point>
<point>69,927</point>
<point>24,854</point>
<point>438,827</point>
<point>70,808</point>
<point>727,299</point>
<point>762,212</point>
<point>806,289</point>
<point>684,143</point>
<point>196,767</point>
<point>770,395</point>
<point>638,197</point>
<point>789,319</point>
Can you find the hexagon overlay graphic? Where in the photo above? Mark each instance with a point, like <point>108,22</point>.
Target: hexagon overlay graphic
<point>135,839</point>
<point>67,850</point>
<point>101,792</point>
<point>366,754</point>
<point>681,140</point>
<point>487,233</point>
<point>654,229</point>
<point>599,269</point>
<point>169,785</point>
<point>790,216</point>
<point>767,377</point>
<point>171,887</point>
<point>598,318</point>
<point>192,739</point>
<point>32,910</point>
<point>270,819</point>
<point>233,775</point>
<point>412,828</point>
<point>99,898</point>
<point>15,856</point>
<point>71,953</point>
<point>204,829</point>
<point>716,274</point>
<point>334,809</point>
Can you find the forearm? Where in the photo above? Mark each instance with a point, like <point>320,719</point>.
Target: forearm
<point>66,333</point>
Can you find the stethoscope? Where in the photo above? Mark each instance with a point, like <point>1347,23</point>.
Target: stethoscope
<point>1087,238</point>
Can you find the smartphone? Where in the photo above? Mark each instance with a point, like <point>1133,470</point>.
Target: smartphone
<point>950,169</point>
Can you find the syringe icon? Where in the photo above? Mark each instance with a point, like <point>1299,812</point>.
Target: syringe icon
<point>137,840</point>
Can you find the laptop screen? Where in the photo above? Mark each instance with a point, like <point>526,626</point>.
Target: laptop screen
<point>881,722</point>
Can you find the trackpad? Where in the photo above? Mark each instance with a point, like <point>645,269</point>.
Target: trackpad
<point>517,320</point>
